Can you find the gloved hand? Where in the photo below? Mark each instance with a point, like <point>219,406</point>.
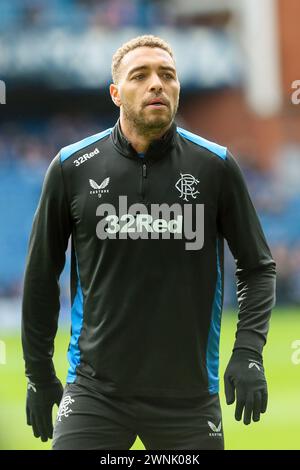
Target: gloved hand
<point>39,404</point>
<point>245,377</point>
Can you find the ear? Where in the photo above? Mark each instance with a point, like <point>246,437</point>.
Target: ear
<point>114,93</point>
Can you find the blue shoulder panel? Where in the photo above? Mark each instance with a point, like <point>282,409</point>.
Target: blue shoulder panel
<point>69,150</point>
<point>211,146</point>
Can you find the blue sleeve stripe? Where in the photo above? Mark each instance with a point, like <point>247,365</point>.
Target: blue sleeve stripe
<point>69,150</point>
<point>212,352</point>
<point>77,321</point>
<point>211,146</point>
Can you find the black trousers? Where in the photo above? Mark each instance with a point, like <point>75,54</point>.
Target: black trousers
<point>90,420</point>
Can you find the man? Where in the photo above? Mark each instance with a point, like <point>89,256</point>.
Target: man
<point>147,205</point>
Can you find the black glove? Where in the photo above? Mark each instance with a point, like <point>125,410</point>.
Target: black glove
<point>39,404</point>
<point>245,376</point>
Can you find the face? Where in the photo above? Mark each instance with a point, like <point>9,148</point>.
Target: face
<point>148,88</point>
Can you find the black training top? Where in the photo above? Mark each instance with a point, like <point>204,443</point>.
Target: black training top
<point>146,264</point>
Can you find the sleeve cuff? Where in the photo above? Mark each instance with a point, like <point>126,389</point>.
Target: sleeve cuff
<point>246,339</point>
<point>41,374</point>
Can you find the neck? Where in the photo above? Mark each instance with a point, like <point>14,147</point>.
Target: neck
<point>140,140</point>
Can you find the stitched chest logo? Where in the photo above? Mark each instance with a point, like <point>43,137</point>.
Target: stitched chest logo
<point>86,157</point>
<point>186,186</point>
<point>99,188</point>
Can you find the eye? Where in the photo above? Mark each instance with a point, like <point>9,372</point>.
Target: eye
<point>168,76</point>
<point>139,77</point>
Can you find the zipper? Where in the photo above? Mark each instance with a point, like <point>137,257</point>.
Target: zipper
<point>144,176</point>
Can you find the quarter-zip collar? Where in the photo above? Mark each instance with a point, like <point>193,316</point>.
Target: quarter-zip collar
<point>156,150</point>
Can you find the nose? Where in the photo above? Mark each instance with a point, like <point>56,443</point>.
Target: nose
<point>156,83</point>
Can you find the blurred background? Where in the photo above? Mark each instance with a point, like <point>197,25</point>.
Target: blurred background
<point>237,61</point>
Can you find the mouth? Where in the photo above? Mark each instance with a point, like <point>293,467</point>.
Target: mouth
<point>156,103</point>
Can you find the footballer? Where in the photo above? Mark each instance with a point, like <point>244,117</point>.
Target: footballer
<point>147,206</point>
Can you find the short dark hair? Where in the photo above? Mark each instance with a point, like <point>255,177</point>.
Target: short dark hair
<point>147,40</point>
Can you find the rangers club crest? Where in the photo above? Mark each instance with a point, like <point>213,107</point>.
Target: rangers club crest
<point>186,186</point>
<point>64,409</point>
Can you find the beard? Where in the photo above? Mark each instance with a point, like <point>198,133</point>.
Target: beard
<point>151,123</point>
